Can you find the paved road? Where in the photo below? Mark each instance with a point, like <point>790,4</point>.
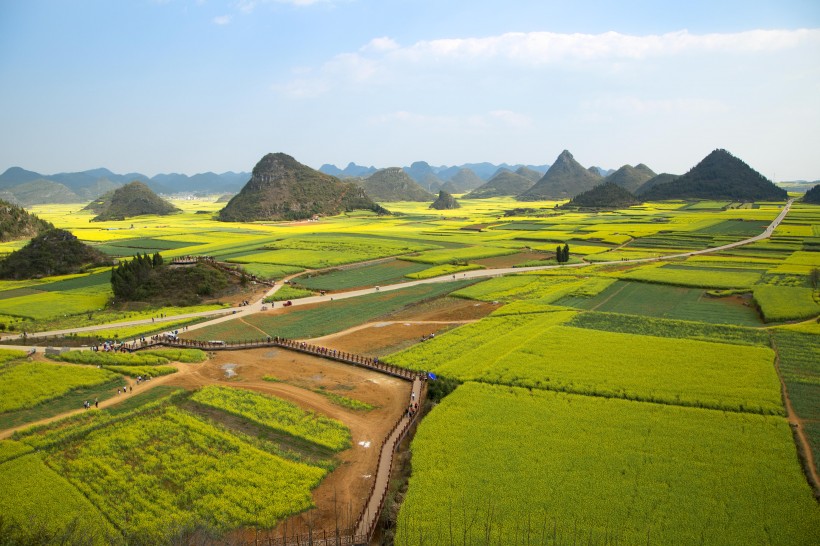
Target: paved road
<point>222,315</point>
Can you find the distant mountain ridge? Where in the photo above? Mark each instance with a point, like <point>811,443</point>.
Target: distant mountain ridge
<point>15,183</point>
<point>425,174</point>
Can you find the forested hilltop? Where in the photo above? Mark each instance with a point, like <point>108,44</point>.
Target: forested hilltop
<point>53,252</point>
<point>133,199</point>
<point>720,175</point>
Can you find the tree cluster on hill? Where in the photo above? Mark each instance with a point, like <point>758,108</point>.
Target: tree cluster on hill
<point>813,195</point>
<point>17,223</point>
<point>148,278</point>
<point>53,252</point>
<point>562,253</point>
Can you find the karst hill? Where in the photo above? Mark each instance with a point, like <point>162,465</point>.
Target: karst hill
<point>394,184</point>
<point>813,195</point>
<point>281,188</point>
<point>566,178</point>
<point>445,201</point>
<point>17,223</point>
<point>719,175</point>
<point>53,252</point>
<point>505,182</point>
<point>631,178</point>
<point>133,199</point>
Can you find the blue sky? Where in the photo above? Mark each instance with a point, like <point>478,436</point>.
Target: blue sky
<point>159,86</point>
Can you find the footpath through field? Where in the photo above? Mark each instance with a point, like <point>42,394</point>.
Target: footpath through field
<point>222,315</point>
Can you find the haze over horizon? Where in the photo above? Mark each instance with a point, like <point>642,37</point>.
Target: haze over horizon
<point>189,86</point>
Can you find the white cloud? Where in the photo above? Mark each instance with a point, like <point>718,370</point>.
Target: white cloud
<point>222,20</point>
<point>380,44</point>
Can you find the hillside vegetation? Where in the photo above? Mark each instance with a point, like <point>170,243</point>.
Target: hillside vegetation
<point>18,223</point>
<point>149,279</point>
<point>813,195</point>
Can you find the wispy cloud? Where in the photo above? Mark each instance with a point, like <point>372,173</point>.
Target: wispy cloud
<point>222,20</point>
<point>383,59</point>
<point>247,6</point>
<point>537,48</point>
<point>496,119</point>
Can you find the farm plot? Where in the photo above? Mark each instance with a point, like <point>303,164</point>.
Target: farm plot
<point>325,319</point>
<point>663,301</point>
<point>779,303</point>
<point>382,273</point>
<point>39,506</point>
<point>45,305</point>
<point>443,256</point>
<point>168,471</point>
<point>692,277</point>
<point>276,414</point>
<point>537,352</point>
<point>546,288</point>
<point>800,367</point>
<point>28,384</point>
<point>503,465</point>
<point>799,263</point>
<point>636,324</point>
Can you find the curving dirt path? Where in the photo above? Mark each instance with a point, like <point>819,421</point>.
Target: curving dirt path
<point>182,370</point>
<point>796,424</point>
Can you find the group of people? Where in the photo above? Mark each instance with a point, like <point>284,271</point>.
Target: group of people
<point>431,336</point>
<point>110,347</point>
<point>87,404</point>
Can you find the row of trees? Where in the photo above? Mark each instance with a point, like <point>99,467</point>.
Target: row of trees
<point>129,278</point>
<point>562,253</point>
